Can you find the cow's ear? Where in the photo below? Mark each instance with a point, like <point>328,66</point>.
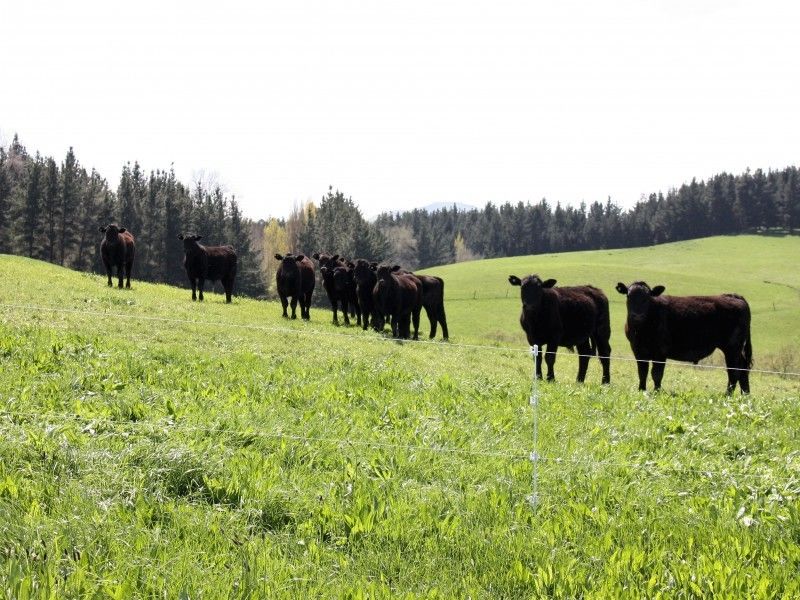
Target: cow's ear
<point>549,283</point>
<point>315,256</point>
<point>103,229</point>
<point>300,257</point>
<point>197,238</point>
<point>279,257</point>
<point>122,230</point>
<point>622,288</point>
<point>657,291</point>
<point>373,266</point>
<point>180,236</point>
<point>395,268</point>
<point>335,257</point>
<point>514,280</point>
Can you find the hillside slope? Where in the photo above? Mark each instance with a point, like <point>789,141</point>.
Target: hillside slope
<point>151,446</point>
<point>763,269</point>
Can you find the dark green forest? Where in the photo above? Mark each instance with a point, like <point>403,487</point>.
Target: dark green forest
<point>51,210</point>
<point>725,204</point>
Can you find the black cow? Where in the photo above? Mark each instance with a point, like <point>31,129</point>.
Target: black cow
<point>432,300</point>
<point>327,265</point>
<point>398,296</point>
<point>687,328</point>
<point>118,250</point>
<point>345,286</point>
<point>365,278</point>
<point>295,278</point>
<point>573,317</point>
<point>215,263</point>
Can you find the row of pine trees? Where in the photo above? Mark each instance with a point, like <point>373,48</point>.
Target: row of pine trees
<point>725,204</point>
<point>52,211</point>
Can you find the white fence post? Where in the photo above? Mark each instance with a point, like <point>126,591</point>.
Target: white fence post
<point>534,456</point>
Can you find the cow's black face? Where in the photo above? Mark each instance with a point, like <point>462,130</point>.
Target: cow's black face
<point>532,289</point>
<point>112,231</point>
<point>639,298</point>
<point>384,272</point>
<point>342,276</point>
<point>189,241</point>
<point>362,272</point>
<point>289,268</point>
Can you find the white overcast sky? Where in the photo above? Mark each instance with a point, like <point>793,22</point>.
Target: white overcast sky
<point>400,104</point>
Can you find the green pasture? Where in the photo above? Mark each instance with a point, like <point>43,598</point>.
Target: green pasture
<point>763,269</point>
<point>155,447</point>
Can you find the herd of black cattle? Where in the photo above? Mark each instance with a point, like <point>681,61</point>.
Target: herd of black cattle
<point>685,328</point>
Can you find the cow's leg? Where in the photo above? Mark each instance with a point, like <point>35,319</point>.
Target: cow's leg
<point>128,269</point>
<point>539,363</point>
<point>550,361</point>
<point>194,287</point>
<point>357,308</point>
<point>228,285</point>
<point>658,372</point>
<point>294,307</point>
<point>200,283</point>
<point>345,312</point>
<point>415,321</point>
<point>604,351</point>
<point>395,326</point>
<point>335,305</point>
<point>108,271</point>
<point>732,361</point>
<point>284,304</point>
<point>120,274</point>
<point>584,351</point>
<point>744,379</point>
<point>443,322</point>
<point>644,367</point>
<point>432,319</point>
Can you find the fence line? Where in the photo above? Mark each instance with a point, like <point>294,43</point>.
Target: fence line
<point>648,466</point>
<point>313,332</point>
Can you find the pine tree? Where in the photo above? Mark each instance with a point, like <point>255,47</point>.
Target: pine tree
<point>27,221</point>
<point>69,204</point>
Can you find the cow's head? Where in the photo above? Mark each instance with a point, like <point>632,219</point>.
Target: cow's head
<point>112,231</point>
<point>639,298</point>
<point>532,289</point>
<point>384,272</point>
<point>289,264</point>
<point>342,277</point>
<point>363,272</point>
<point>189,241</point>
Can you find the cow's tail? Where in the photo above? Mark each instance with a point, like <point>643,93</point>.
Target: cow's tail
<point>747,348</point>
<point>748,351</point>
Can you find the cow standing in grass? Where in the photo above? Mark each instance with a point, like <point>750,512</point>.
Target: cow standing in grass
<point>327,265</point>
<point>118,250</point>
<point>295,279</point>
<point>432,300</point>
<point>573,317</point>
<point>213,263</point>
<point>345,286</point>
<point>365,278</point>
<point>687,328</point>
<point>398,297</point>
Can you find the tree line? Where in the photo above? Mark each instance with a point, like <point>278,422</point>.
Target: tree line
<point>52,211</point>
<point>725,204</point>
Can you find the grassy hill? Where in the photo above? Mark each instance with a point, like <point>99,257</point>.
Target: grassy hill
<point>762,269</point>
<point>154,446</point>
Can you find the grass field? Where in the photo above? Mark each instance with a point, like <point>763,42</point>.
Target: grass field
<point>155,447</point>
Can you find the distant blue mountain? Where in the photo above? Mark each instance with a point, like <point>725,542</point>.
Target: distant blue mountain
<point>448,205</point>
